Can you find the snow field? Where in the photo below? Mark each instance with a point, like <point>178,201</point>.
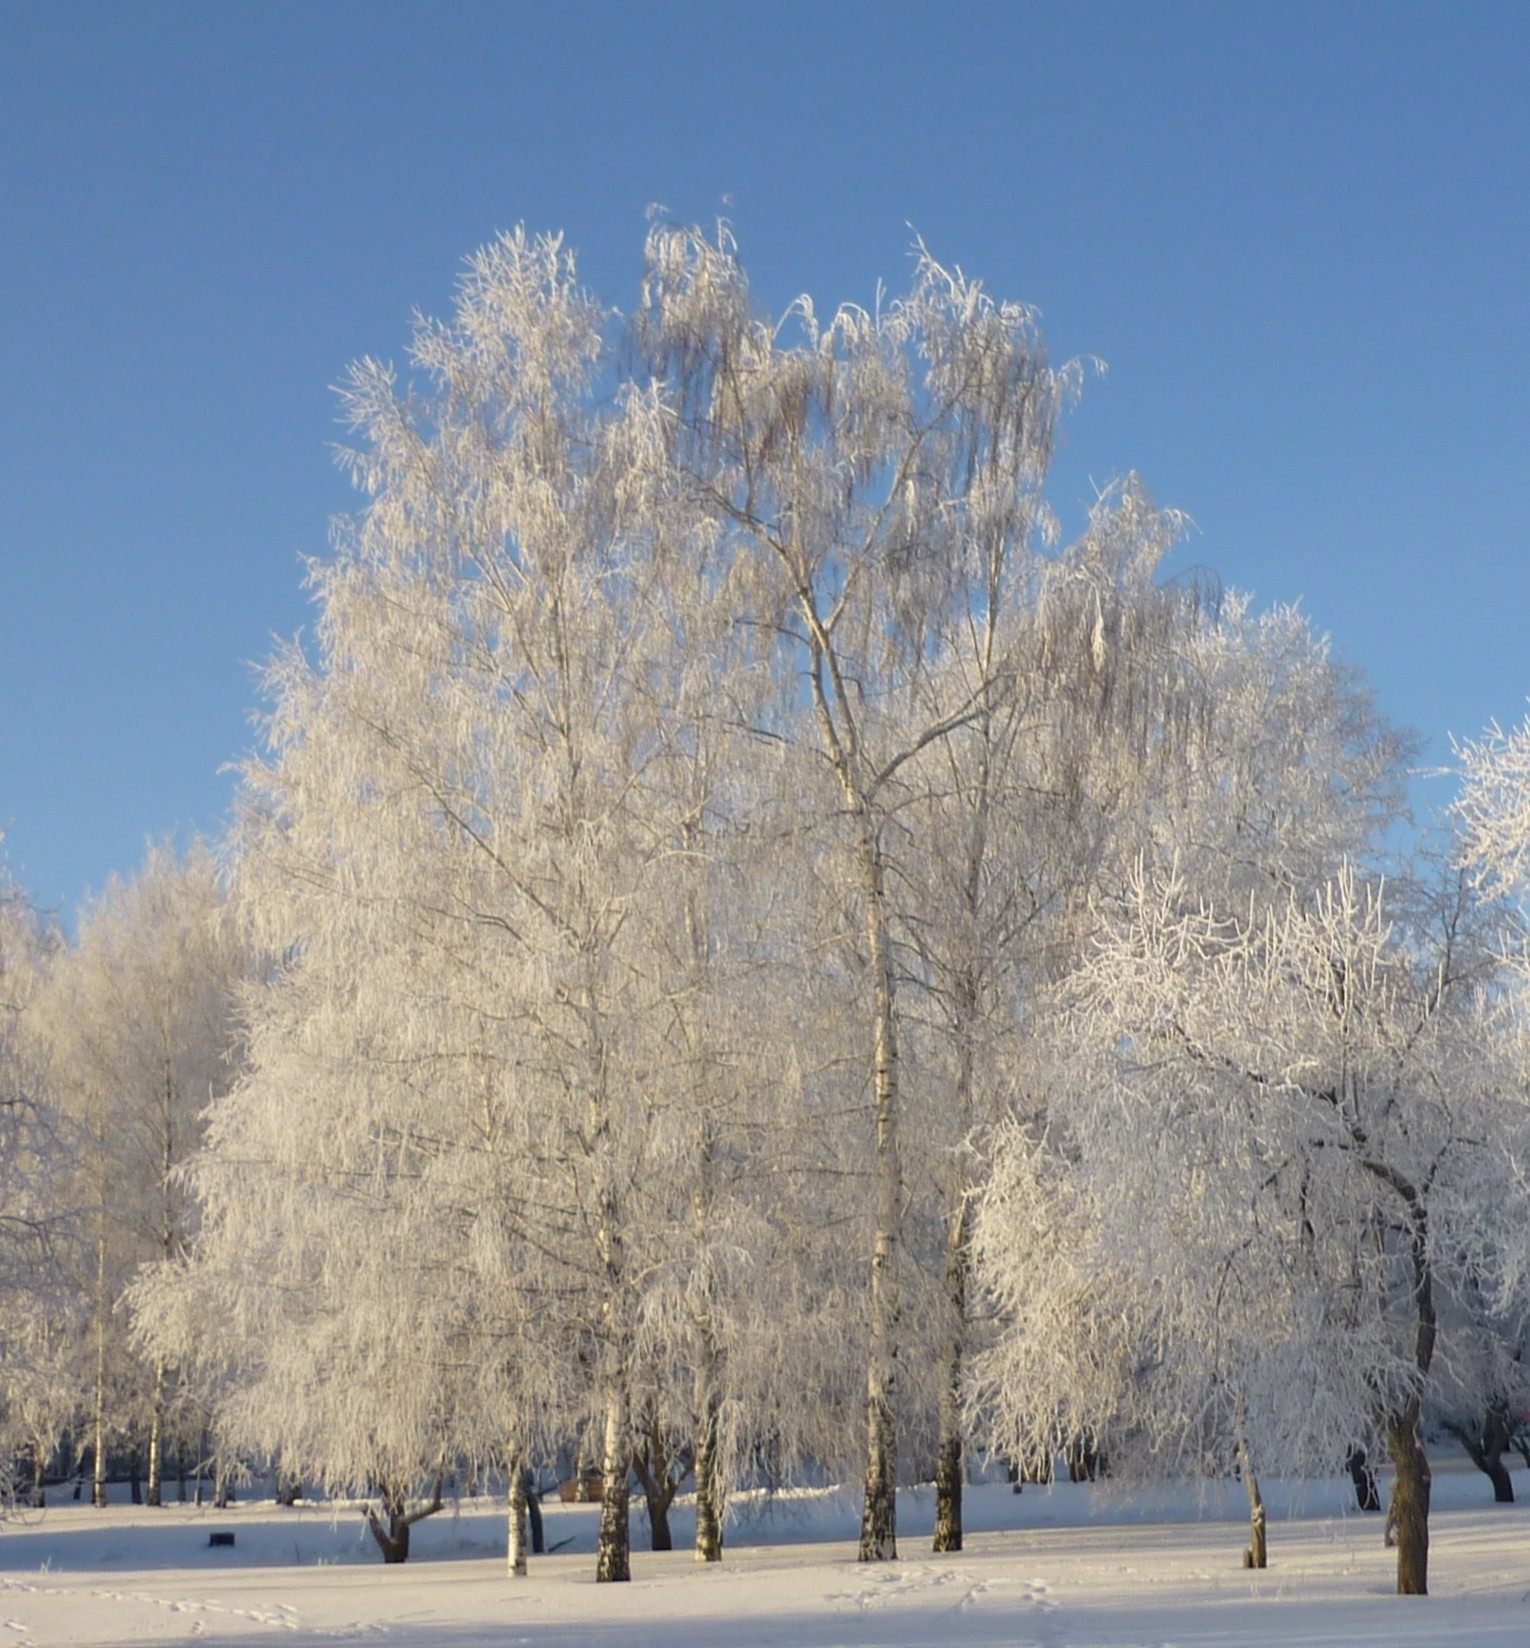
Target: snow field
<point>1070,1567</point>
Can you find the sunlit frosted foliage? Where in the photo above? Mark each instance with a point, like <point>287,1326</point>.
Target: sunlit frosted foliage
<point>1290,1136</point>
<point>1493,809</point>
<point>708,769</point>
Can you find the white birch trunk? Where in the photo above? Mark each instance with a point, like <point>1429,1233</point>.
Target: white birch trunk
<point>517,1520</point>
<point>879,1514</point>
<point>98,1475</point>
<point>613,1559</point>
<point>155,1494</point>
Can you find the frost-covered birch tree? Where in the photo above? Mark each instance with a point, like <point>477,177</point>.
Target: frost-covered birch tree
<point>492,835</point>
<point>877,477</point>
<point>1020,813</point>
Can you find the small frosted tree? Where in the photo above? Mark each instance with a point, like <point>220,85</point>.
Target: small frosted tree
<point>1286,1125</point>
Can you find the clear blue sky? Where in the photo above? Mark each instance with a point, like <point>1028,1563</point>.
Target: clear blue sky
<point>1299,234</point>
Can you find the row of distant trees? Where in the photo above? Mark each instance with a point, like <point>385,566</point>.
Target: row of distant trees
<point>111,1048</point>
<point>743,950</point>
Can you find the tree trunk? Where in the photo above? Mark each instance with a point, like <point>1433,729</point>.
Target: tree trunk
<point>1257,1554</point>
<point>709,1532</point>
<point>706,1383</point>
<point>652,1464</point>
<point>135,1479</point>
<point>613,1553</point>
<point>1408,1514</point>
<point>1367,1496</point>
<point>879,1513</point>
<point>157,1436</point>
<point>951,1449</point>
<point>613,1550</point>
<point>1085,1461</point>
<point>517,1520</point>
<point>167,1251</point>
<point>98,1465</point>
<point>1486,1445</point>
<point>39,1476</point>
<point>534,1514</point>
<point>98,1475</point>
<point>393,1540</point>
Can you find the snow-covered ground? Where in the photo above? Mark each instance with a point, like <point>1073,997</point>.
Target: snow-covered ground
<point>1069,1566</point>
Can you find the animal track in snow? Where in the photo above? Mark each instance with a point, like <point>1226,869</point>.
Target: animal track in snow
<point>284,1615</point>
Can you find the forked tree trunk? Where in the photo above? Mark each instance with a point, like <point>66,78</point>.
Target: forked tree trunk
<point>879,1513</point>
<point>393,1540</point>
<point>1408,1513</point>
<point>1485,1444</point>
<point>950,1456</point>
<point>653,1466</point>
